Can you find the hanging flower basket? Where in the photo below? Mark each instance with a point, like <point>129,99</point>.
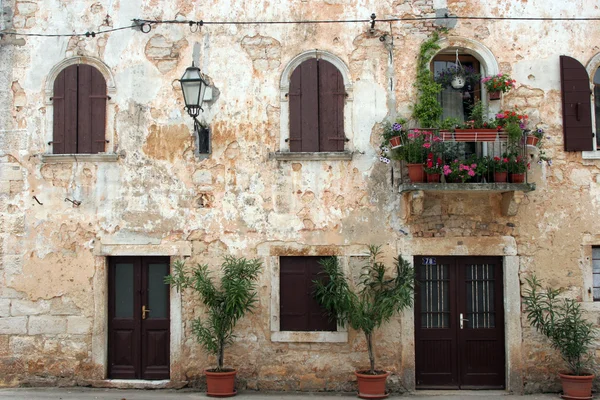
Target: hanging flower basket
<point>396,142</point>
<point>495,95</point>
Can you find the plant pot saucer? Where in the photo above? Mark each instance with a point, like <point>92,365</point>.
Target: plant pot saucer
<point>575,397</point>
<point>373,396</point>
<point>222,394</point>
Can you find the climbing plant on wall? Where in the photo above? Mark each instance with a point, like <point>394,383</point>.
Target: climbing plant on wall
<point>427,110</point>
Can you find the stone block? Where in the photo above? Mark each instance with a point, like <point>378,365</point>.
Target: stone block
<point>78,325</point>
<point>47,325</point>
<point>13,326</point>
<point>4,307</point>
<point>4,339</point>
<point>10,172</point>
<point>26,7</point>
<point>63,306</point>
<point>28,307</point>
<point>24,344</point>
<point>202,177</point>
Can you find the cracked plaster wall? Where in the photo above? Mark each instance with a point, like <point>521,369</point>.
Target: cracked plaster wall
<point>238,200</point>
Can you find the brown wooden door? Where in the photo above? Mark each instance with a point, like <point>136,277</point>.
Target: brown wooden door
<point>459,323</point>
<point>138,341</point>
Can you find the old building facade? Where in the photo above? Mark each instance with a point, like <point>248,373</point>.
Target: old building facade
<point>102,186</point>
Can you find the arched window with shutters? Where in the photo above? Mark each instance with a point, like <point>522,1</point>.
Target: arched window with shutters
<point>316,108</point>
<point>79,111</point>
<point>316,97</point>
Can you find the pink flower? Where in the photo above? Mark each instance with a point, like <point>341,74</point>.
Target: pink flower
<point>447,171</point>
<point>411,136</point>
<point>471,173</point>
<point>437,139</point>
<point>500,116</point>
<point>427,145</point>
<point>473,165</point>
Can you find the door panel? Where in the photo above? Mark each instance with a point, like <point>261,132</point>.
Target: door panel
<point>459,323</point>
<point>138,346</point>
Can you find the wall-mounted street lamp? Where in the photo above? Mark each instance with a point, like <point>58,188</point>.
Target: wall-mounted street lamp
<point>193,86</point>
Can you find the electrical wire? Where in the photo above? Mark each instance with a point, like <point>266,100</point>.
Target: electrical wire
<point>142,23</point>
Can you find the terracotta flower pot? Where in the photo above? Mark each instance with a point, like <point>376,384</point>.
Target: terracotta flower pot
<point>500,176</point>
<point>220,384</point>
<point>371,386</point>
<point>475,135</point>
<point>517,178</point>
<point>532,140</point>
<point>396,142</point>
<point>576,387</point>
<point>433,178</point>
<point>416,173</point>
<point>495,95</point>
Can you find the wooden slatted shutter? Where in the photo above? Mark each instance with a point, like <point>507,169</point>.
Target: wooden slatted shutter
<point>576,103</point>
<point>79,104</point>
<point>332,93</point>
<point>64,133</point>
<point>304,107</point>
<point>299,310</point>
<point>91,111</point>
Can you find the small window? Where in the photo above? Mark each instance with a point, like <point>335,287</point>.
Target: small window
<point>317,98</point>
<point>596,272</point>
<point>299,310</point>
<point>79,103</point>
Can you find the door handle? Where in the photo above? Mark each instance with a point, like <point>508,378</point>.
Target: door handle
<point>461,319</point>
<point>145,310</point>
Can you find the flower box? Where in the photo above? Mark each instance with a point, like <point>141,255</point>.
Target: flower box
<point>471,135</point>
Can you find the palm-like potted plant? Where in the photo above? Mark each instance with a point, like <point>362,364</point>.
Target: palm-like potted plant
<point>377,298</point>
<point>226,304</point>
<point>561,320</point>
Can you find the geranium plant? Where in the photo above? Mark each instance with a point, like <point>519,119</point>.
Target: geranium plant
<point>433,166</point>
<point>498,83</point>
<point>418,144</point>
<point>499,164</point>
<point>517,165</point>
<point>459,170</point>
<point>506,117</point>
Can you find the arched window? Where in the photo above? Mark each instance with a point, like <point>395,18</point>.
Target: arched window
<point>79,103</point>
<point>597,104</point>
<point>316,107</point>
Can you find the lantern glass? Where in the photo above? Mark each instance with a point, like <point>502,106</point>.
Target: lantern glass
<point>193,87</point>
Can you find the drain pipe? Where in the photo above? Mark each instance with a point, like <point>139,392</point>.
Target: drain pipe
<point>388,42</point>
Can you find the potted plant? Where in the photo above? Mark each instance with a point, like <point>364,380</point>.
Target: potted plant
<point>497,84</point>
<point>476,128</point>
<point>500,168</point>
<point>433,169</point>
<point>517,167</point>
<point>561,320</point>
<point>414,151</point>
<point>226,304</point>
<point>534,138</point>
<point>457,76</point>
<point>394,134</point>
<point>459,171</point>
<point>376,299</point>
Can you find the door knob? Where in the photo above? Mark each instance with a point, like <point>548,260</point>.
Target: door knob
<point>461,319</point>
<point>145,310</point>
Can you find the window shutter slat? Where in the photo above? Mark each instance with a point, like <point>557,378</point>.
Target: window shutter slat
<point>576,105</point>
<point>84,116</point>
<point>318,319</point>
<point>331,107</point>
<point>58,105</point>
<point>64,135</point>
<point>98,111</point>
<point>293,311</point>
<point>310,105</point>
<point>294,98</point>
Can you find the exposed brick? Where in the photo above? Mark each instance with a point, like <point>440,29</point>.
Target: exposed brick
<point>4,307</point>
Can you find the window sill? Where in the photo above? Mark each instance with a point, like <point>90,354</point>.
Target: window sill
<point>590,155</point>
<point>70,158</point>
<point>314,337</point>
<point>310,156</point>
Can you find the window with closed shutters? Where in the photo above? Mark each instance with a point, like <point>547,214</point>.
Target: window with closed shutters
<point>299,310</point>
<point>576,105</point>
<point>317,96</point>
<point>596,272</point>
<point>79,104</point>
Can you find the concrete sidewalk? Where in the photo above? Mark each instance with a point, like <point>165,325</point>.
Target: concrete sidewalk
<point>187,394</point>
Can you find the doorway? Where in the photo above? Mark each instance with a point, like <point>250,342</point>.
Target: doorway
<point>138,318</point>
<point>459,323</point>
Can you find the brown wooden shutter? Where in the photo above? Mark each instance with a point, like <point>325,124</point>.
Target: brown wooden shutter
<point>91,111</point>
<point>576,103</point>
<point>299,310</point>
<point>332,95</point>
<point>64,102</point>
<point>304,107</point>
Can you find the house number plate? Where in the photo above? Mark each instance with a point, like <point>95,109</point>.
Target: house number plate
<point>429,261</point>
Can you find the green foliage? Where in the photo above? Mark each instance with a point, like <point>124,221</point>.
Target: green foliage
<point>515,134</point>
<point>449,123</point>
<point>477,114</point>
<point>377,299</point>
<point>427,110</point>
<point>561,321</point>
<point>226,304</point>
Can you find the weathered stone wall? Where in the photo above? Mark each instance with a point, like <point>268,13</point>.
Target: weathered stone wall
<point>239,200</point>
